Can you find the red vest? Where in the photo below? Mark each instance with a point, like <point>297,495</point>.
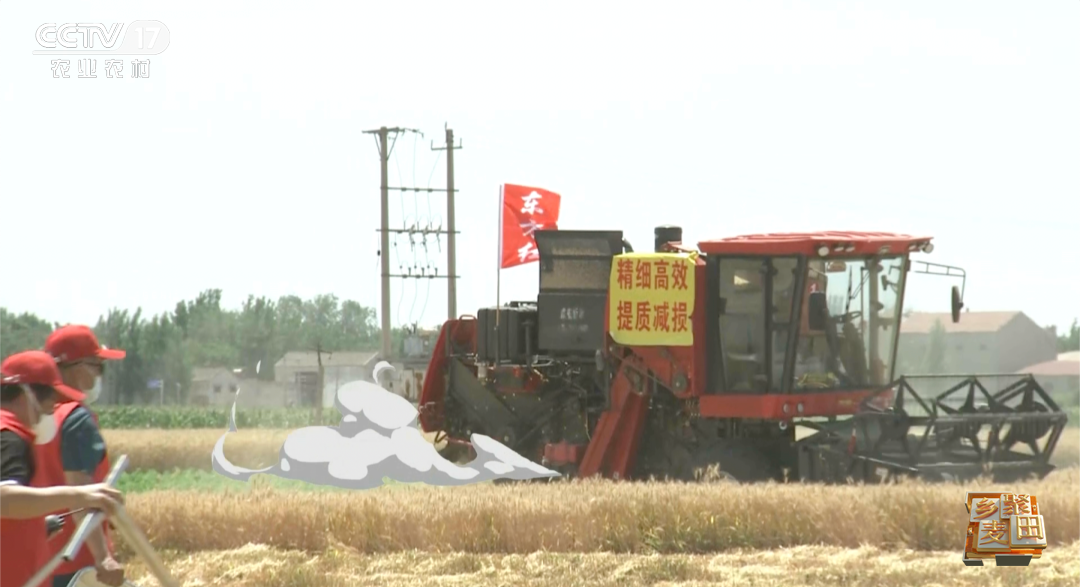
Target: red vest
<point>50,472</point>
<point>24,549</point>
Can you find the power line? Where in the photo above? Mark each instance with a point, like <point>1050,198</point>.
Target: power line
<point>386,138</point>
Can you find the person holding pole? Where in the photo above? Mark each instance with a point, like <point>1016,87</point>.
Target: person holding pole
<point>30,387</point>
<point>78,455</point>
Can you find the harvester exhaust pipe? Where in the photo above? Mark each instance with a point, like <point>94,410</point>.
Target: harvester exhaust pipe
<point>667,234</point>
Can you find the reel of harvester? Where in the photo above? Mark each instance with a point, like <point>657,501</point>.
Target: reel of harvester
<point>964,432</point>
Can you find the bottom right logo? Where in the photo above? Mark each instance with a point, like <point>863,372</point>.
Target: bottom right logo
<point>1007,527</point>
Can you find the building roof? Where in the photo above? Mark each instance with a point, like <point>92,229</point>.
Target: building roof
<point>1057,368</point>
<point>336,359</point>
<point>1069,356</point>
<point>970,322</point>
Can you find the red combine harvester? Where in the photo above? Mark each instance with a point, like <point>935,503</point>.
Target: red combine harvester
<point>666,363</point>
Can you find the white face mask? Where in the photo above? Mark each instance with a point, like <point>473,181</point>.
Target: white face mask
<point>45,428</point>
<point>94,392</point>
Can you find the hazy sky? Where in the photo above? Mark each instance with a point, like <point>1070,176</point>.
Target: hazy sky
<point>240,162</point>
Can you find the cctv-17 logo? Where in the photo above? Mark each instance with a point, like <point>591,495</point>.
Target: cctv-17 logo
<point>141,38</point>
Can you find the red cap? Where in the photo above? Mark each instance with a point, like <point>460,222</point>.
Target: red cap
<point>37,367</point>
<point>74,342</point>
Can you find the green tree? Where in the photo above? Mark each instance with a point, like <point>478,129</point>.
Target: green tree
<point>19,332</point>
<point>321,326</point>
<point>209,331</point>
<point>1070,341</point>
<point>256,337</point>
<point>125,381</point>
<point>358,328</point>
<point>165,359</point>
<point>22,332</point>
<point>290,322</point>
<point>201,333</point>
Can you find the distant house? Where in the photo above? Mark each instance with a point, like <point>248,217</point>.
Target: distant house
<point>212,385</point>
<point>259,394</point>
<point>1060,377</point>
<point>298,372</point>
<point>982,342</point>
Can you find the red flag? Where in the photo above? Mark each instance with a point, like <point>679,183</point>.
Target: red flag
<point>524,211</point>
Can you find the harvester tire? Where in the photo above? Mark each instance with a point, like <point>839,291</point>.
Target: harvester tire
<point>457,454</point>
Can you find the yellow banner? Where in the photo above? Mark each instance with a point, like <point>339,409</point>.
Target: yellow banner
<point>651,299</point>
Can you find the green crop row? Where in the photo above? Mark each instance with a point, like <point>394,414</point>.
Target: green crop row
<point>130,417</point>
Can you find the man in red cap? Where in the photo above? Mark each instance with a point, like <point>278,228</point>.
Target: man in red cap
<point>30,387</point>
<point>77,455</point>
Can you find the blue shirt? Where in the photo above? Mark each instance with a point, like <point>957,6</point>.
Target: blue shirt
<point>81,444</point>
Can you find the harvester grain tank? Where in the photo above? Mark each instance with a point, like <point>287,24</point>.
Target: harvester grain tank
<point>668,362</point>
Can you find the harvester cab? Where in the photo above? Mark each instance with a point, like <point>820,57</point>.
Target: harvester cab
<point>679,360</point>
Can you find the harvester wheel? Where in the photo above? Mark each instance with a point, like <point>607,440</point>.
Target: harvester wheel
<point>735,462</point>
<point>713,474</point>
<point>457,453</point>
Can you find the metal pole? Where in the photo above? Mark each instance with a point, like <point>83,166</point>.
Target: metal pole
<point>451,244</point>
<point>322,386</point>
<point>498,276</point>
<point>384,156</point>
<point>89,523</point>
<point>142,546</point>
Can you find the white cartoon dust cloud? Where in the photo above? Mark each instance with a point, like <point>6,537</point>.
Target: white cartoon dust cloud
<point>378,437</point>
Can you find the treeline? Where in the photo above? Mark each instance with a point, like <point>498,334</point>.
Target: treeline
<point>201,333</point>
<point>1070,341</point>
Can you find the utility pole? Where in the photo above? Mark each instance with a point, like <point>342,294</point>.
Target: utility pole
<point>321,385</point>
<point>385,139</point>
<point>384,246</point>
<point>451,244</point>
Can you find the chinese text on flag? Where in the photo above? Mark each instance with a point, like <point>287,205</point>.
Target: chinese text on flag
<point>524,211</point>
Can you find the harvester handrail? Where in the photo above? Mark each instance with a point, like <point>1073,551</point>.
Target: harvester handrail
<point>965,375</point>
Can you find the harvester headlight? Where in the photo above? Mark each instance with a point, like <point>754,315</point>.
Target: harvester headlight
<point>823,251</point>
<point>928,248</point>
<point>850,249</point>
<point>799,408</point>
<point>787,408</point>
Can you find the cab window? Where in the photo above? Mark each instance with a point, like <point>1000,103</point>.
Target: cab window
<point>755,321</point>
<point>742,324</point>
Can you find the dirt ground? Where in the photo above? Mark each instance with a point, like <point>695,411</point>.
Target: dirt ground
<point>261,566</point>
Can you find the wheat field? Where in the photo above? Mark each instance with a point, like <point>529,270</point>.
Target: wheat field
<point>584,533</point>
<point>588,533</point>
<point>577,516</point>
<point>587,516</point>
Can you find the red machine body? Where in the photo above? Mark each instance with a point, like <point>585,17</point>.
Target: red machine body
<point>557,390</point>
